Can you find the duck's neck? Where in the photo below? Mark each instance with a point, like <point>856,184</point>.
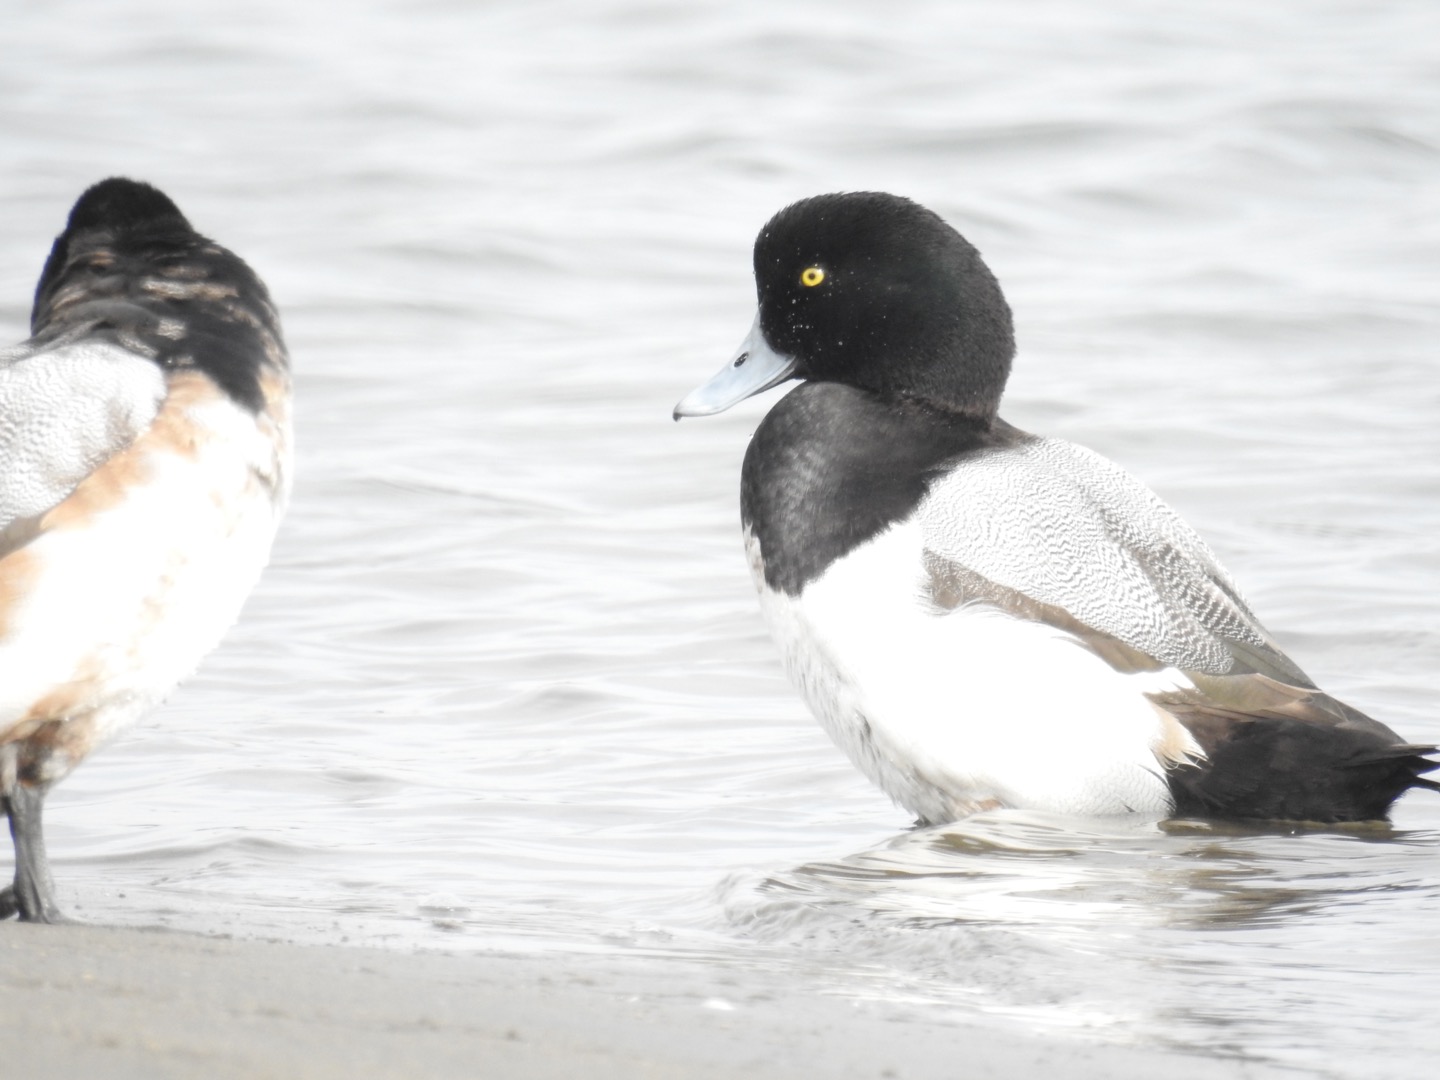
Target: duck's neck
<point>831,467</point>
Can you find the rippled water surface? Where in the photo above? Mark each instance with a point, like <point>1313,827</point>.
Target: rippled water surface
<point>506,682</point>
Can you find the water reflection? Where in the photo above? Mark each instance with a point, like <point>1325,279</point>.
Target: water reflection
<point>1142,930</point>
<point>1020,868</point>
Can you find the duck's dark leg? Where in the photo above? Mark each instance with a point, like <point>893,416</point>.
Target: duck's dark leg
<point>32,897</point>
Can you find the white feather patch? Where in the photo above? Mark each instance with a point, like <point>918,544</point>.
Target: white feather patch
<point>953,711</point>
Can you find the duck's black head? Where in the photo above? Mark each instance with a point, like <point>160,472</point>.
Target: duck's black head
<point>114,213</point>
<point>876,292</point>
<point>129,269</point>
<point>124,205</point>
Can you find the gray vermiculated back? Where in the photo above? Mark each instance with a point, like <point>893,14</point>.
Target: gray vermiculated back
<point>1066,527</point>
<point>65,410</point>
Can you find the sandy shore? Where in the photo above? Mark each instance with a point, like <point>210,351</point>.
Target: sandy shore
<point>83,1001</point>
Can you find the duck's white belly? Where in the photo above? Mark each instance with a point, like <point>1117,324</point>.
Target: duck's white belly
<point>134,577</point>
<point>953,711</point>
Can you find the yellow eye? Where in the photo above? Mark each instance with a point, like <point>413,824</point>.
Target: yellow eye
<point>811,276</point>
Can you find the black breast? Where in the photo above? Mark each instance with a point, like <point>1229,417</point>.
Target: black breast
<point>830,467</point>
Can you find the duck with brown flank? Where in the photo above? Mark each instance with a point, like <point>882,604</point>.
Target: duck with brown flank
<point>144,466</point>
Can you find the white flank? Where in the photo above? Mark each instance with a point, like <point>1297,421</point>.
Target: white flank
<point>954,711</point>
<point>110,609</point>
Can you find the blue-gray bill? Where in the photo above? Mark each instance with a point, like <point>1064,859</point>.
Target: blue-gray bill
<point>756,368</point>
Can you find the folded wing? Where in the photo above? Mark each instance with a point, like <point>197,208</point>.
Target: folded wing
<point>1051,532</point>
<point>66,409</point>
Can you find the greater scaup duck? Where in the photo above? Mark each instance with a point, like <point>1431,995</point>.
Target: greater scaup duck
<point>981,617</point>
<point>144,465</point>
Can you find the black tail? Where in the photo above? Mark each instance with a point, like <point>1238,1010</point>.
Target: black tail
<point>1281,768</point>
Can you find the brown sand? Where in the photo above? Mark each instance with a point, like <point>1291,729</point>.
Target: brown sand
<point>80,1001</point>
